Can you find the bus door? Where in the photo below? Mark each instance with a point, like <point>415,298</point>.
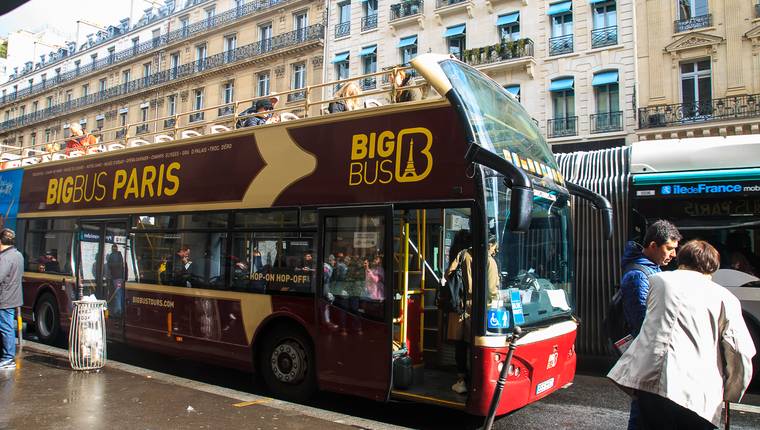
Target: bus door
<point>102,255</point>
<point>354,300</point>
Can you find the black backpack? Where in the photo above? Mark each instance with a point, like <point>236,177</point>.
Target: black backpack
<point>615,326</point>
<point>450,297</point>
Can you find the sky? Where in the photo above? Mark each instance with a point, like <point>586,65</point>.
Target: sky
<point>62,15</point>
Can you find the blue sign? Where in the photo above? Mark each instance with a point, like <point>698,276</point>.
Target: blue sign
<point>498,318</point>
<point>685,189</point>
<point>10,192</point>
<point>517,312</point>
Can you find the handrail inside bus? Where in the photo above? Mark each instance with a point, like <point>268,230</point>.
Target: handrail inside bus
<point>600,203</point>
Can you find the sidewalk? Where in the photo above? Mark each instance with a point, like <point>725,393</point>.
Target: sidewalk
<point>43,392</point>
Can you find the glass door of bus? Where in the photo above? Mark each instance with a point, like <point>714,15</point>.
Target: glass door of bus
<point>102,270</point>
<point>354,300</point>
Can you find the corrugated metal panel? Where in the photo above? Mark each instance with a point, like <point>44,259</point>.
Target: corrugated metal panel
<point>597,261</point>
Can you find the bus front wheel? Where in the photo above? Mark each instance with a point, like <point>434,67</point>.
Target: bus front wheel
<point>287,365</point>
<point>47,319</point>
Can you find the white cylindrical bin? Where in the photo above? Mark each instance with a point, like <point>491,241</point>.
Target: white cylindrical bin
<point>87,335</point>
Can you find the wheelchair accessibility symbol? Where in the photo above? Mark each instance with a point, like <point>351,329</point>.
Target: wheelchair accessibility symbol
<point>498,318</point>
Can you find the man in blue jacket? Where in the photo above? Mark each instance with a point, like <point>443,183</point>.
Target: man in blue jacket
<point>639,262</point>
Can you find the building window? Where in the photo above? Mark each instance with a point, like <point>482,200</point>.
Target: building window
<point>341,65</point>
<point>94,57</point>
<point>228,90</point>
<point>171,105</point>
<point>31,83</point>
<point>300,22</point>
<point>125,75</point>
<point>33,139</point>
<point>146,70</point>
<point>49,102</point>
<point>22,111</point>
<point>369,20</point>
<point>561,41</point>
<point>509,27</point>
<point>608,116</point>
<point>111,54</point>
<point>692,14</point>
<point>230,43</point>
<point>564,122</point>
<point>343,28</point>
<point>298,81</point>
<point>144,114</point>
<point>123,119</point>
<point>605,24</point>
<point>99,122</point>
<point>184,24</point>
<point>174,64</point>
<point>369,65</point>
<point>47,135</point>
<point>265,36</point>
<point>35,106</point>
<point>135,43</point>
<point>456,40</point>
<point>69,96</point>
<point>85,90</point>
<point>696,88</point>
<point>200,56</point>
<point>198,103</point>
<point>262,87</point>
<point>102,84</point>
<point>408,49</point>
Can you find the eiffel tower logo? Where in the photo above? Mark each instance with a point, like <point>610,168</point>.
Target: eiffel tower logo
<point>410,171</point>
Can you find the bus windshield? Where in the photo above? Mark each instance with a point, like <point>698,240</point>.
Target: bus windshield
<point>499,121</point>
<point>535,268</point>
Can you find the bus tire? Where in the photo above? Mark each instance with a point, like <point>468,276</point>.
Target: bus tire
<point>287,366</point>
<point>47,319</point>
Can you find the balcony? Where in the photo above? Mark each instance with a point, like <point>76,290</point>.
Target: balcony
<point>504,51</point>
<point>606,36</point>
<point>727,108</point>
<point>562,127</point>
<point>192,30</point>
<point>343,29</point>
<point>561,45</point>
<point>195,117</point>
<point>607,122</point>
<point>142,129</point>
<point>311,34</point>
<point>692,23</point>
<point>445,3</point>
<point>406,8</point>
<point>170,123</point>
<point>226,110</point>
<point>293,97</point>
<point>369,22</point>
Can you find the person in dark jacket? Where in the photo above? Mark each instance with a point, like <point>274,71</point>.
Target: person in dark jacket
<point>11,269</point>
<point>261,108</point>
<point>639,262</point>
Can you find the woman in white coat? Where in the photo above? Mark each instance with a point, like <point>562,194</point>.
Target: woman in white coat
<point>693,352</point>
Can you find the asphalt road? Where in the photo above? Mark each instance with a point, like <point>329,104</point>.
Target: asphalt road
<point>592,402</point>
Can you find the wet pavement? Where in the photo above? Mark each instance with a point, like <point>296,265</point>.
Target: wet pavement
<point>43,392</point>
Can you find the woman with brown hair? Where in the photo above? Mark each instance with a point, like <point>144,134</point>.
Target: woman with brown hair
<point>693,351</point>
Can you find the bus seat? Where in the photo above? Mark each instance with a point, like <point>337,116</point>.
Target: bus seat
<point>115,146</point>
<point>189,133</point>
<point>219,129</point>
<point>162,138</point>
<point>7,156</point>
<point>29,161</point>
<point>288,116</point>
<point>59,156</point>
<point>76,153</point>
<point>94,149</point>
<point>137,142</point>
<point>11,164</point>
<point>372,103</point>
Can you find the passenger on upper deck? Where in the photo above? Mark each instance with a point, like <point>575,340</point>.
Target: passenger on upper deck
<point>351,92</point>
<point>80,139</point>
<point>262,107</point>
<point>402,80</point>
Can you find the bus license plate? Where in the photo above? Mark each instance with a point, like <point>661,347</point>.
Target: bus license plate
<point>540,388</point>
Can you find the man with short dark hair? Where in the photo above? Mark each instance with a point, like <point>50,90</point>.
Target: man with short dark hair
<point>11,269</point>
<point>639,262</point>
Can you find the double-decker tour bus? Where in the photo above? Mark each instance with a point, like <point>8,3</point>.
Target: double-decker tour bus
<point>310,250</point>
<point>710,188</point>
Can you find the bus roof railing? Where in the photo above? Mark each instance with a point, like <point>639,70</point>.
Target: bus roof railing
<point>309,101</point>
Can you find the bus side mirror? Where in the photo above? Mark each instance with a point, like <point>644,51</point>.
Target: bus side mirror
<point>520,208</point>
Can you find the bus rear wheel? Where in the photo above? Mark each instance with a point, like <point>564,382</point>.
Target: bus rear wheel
<point>47,319</point>
<point>286,363</point>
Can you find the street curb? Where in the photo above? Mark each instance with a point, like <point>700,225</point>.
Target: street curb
<point>241,396</point>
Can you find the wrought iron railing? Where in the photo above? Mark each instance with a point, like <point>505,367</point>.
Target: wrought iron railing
<point>504,51</point>
<point>726,108</point>
<point>561,45</point>
<point>604,36</point>
<point>693,23</point>
<point>606,122</point>
<point>443,3</point>
<point>170,123</point>
<point>120,134</point>
<point>561,127</point>
<point>369,22</point>
<point>195,117</point>
<point>300,95</point>
<point>406,8</point>
<point>171,37</point>
<point>141,129</point>
<point>343,29</point>
<point>226,110</point>
<point>282,41</point>
<point>369,84</point>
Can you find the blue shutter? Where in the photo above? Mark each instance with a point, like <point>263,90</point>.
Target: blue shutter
<point>514,90</point>
<point>509,18</point>
<point>562,84</point>
<point>343,56</point>
<point>407,41</point>
<point>604,78</point>
<point>368,50</point>
<point>558,8</point>
<point>454,31</point>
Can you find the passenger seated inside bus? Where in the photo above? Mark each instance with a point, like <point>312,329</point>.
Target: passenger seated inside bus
<point>49,262</point>
<point>181,269</point>
<point>374,275</point>
<point>351,92</point>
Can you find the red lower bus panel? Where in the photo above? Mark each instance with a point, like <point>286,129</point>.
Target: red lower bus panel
<point>544,367</point>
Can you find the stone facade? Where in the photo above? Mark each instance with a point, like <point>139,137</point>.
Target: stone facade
<point>699,68</point>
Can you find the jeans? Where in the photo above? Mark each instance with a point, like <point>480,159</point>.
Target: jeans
<point>8,333</point>
<point>634,422</point>
<point>659,413</point>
